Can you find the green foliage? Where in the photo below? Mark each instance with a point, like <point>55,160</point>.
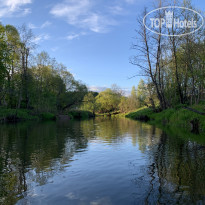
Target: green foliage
<point>141,93</point>
<point>174,67</point>
<point>39,84</point>
<point>108,101</point>
<point>182,118</point>
<point>47,116</point>
<point>5,59</point>
<point>112,100</point>
<point>89,103</point>
<point>144,95</point>
<point>79,114</point>
<point>12,115</point>
<point>180,106</point>
<point>134,92</point>
<point>140,113</point>
<point>124,105</point>
<point>178,117</point>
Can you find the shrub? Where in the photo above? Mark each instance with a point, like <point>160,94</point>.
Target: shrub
<point>79,114</point>
<point>48,116</point>
<point>174,117</point>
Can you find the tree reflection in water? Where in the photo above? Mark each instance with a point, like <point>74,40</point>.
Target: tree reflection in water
<point>176,172</point>
<point>168,170</point>
<point>34,153</point>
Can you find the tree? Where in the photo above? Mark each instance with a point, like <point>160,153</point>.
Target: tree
<point>132,100</point>
<point>173,65</point>
<point>124,105</point>
<point>108,101</point>
<point>89,103</point>
<point>34,82</point>
<point>142,93</point>
<point>5,64</point>
<point>13,42</point>
<point>134,92</point>
<point>26,46</point>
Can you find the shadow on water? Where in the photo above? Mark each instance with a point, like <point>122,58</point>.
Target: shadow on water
<point>99,161</point>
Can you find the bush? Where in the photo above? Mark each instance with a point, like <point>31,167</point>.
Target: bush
<point>13,115</point>
<point>176,117</point>
<point>47,116</point>
<point>79,114</point>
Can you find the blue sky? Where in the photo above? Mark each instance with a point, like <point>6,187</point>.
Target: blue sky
<point>91,37</point>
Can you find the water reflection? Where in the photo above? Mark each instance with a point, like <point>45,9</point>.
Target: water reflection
<point>34,153</point>
<point>181,170</point>
<point>116,131</point>
<point>101,161</point>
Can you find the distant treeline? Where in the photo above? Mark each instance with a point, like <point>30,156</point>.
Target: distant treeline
<point>113,100</point>
<point>39,83</point>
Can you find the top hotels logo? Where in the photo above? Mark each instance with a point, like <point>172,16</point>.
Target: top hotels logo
<point>173,21</point>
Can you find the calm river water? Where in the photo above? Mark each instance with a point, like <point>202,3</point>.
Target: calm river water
<point>98,162</point>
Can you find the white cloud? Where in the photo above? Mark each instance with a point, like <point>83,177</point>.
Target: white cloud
<point>98,23</point>
<point>13,4</point>
<point>71,195</point>
<point>72,36</point>
<point>71,9</point>
<point>54,49</point>
<point>80,13</point>
<point>118,10</point>
<point>75,35</point>
<point>32,26</point>
<point>10,7</point>
<point>40,38</point>
<point>44,25</point>
<point>97,88</point>
<point>26,11</point>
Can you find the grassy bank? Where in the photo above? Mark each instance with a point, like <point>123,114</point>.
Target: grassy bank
<point>177,117</point>
<point>13,115</point>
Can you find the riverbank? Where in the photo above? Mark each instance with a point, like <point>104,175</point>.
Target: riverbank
<point>178,117</point>
<point>18,115</point>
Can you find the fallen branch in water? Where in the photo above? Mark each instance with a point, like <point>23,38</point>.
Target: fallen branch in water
<point>193,110</point>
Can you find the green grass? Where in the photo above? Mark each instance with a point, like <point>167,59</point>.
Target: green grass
<point>140,113</point>
<point>177,117</point>
<point>13,115</point>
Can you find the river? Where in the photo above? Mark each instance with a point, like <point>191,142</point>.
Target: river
<point>98,162</point>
